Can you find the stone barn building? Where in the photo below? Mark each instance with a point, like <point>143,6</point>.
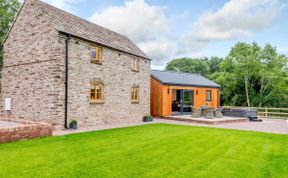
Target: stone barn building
<point>58,67</point>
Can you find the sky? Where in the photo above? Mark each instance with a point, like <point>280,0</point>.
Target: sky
<point>168,29</point>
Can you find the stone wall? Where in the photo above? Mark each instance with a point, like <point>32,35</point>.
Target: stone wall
<point>118,78</point>
<point>33,71</point>
<point>25,130</point>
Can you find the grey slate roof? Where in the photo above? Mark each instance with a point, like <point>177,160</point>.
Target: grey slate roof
<point>183,79</point>
<point>68,23</point>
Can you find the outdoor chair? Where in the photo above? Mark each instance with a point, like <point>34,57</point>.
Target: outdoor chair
<point>218,112</point>
<point>196,113</point>
<point>209,113</point>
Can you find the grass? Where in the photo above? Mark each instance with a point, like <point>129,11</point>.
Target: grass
<point>157,150</point>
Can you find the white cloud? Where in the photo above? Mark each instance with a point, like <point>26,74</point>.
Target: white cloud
<point>146,25</point>
<point>136,19</point>
<point>149,26</point>
<point>159,49</point>
<point>235,20</point>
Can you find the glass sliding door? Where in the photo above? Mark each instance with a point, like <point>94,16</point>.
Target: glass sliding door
<point>182,101</point>
<point>187,101</point>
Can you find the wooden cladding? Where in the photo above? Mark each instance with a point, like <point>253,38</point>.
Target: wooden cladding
<point>161,97</point>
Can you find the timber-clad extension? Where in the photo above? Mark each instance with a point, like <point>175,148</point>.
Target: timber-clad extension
<point>177,93</point>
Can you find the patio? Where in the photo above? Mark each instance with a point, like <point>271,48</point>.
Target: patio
<point>277,126</point>
<point>202,120</point>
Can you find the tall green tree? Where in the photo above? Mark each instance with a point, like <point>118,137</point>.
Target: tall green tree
<point>214,63</point>
<point>8,11</point>
<point>246,60</point>
<point>190,65</point>
<point>253,76</point>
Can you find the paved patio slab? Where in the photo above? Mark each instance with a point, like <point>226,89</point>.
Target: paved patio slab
<point>202,120</point>
<point>268,125</point>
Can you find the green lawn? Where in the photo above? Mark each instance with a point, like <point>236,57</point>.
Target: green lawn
<point>157,150</point>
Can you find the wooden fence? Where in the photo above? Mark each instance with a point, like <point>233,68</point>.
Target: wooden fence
<point>275,113</point>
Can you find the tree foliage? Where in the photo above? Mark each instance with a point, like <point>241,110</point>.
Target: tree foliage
<point>8,11</point>
<point>189,65</point>
<point>249,75</point>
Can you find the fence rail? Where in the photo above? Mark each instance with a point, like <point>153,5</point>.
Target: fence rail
<point>275,113</point>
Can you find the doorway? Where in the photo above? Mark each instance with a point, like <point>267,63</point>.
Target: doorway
<point>182,102</point>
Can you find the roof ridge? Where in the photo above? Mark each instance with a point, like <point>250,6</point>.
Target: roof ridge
<point>177,72</point>
<point>80,18</point>
<point>180,78</point>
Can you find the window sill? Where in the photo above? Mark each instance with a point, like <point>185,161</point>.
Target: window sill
<point>135,102</point>
<point>133,70</point>
<point>96,62</point>
<point>96,102</point>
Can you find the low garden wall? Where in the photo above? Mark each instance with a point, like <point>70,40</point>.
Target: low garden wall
<point>24,130</point>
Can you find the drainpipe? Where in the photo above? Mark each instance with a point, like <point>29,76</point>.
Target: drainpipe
<point>66,80</point>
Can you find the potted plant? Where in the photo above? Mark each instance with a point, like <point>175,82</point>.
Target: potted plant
<point>148,118</point>
<point>73,124</point>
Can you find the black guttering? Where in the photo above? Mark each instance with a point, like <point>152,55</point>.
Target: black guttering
<point>68,37</point>
<point>189,85</point>
<point>91,41</point>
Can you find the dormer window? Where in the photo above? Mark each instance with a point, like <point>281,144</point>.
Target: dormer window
<point>96,54</point>
<point>135,65</point>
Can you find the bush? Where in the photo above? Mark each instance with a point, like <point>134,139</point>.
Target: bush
<point>73,124</point>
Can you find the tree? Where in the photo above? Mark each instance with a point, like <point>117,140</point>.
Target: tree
<point>250,75</point>
<point>214,64</point>
<point>253,76</point>
<point>247,64</point>
<point>189,65</point>
<point>8,11</point>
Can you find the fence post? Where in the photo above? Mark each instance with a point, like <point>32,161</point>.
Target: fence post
<point>266,112</point>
